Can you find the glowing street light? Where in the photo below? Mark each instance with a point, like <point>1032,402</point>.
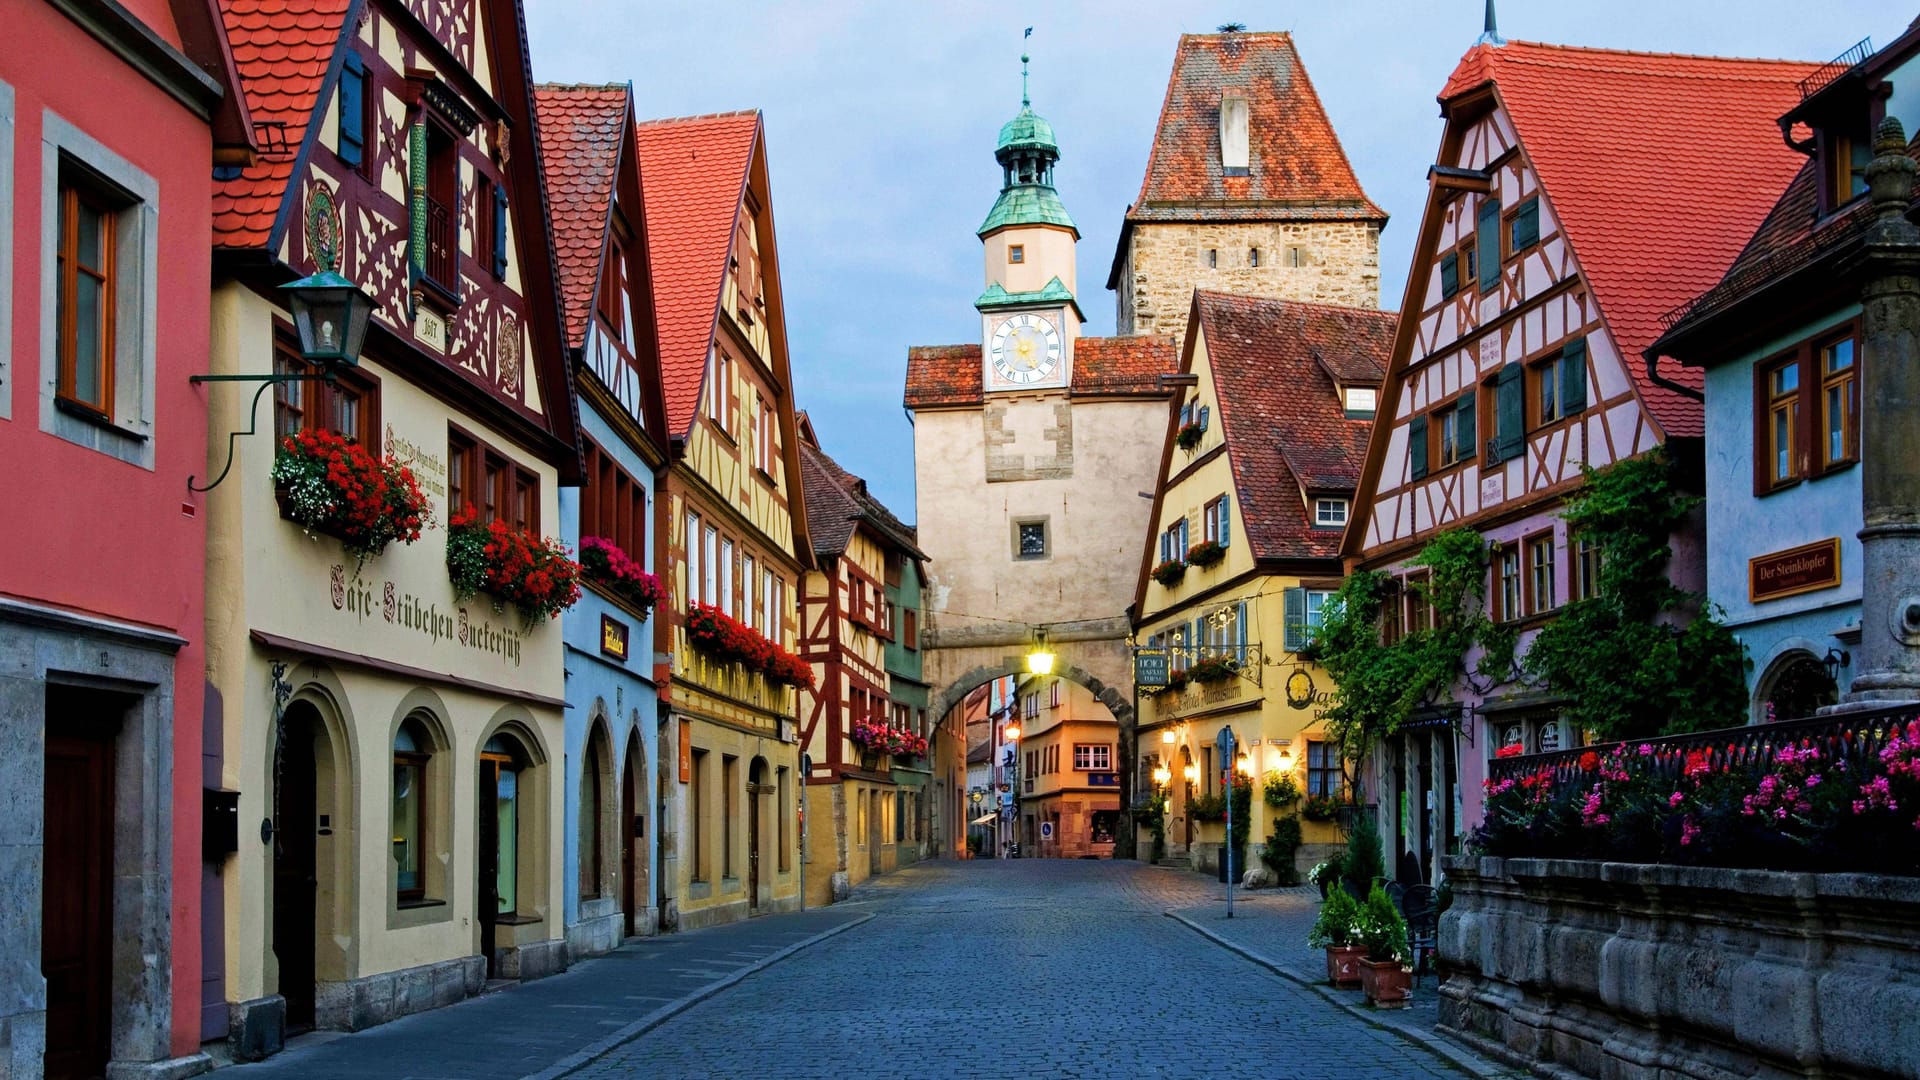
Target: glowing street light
<point>1192,773</point>
<point>1162,776</point>
<point>1040,660</point>
<point>1012,732</point>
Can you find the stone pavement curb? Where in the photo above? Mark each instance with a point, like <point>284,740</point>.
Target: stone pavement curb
<point>666,1012</point>
<point>1453,1053</point>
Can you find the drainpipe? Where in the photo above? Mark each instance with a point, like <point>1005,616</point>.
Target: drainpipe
<point>1653,372</point>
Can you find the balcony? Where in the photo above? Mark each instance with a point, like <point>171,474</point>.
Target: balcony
<point>442,253</point>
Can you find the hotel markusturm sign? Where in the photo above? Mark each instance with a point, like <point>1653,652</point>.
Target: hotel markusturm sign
<point>1807,568</point>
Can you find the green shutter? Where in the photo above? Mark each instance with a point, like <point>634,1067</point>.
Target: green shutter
<point>1509,434</point>
<point>1449,274</point>
<point>1573,377</point>
<point>1487,240</point>
<point>1417,446</point>
<point>353,111</point>
<point>1526,225</point>
<point>1294,631</point>
<point>1466,427</point>
<point>1226,520</point>
<point>500,231</point>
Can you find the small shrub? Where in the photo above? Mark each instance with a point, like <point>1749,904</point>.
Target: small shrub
<point>1338,924</point>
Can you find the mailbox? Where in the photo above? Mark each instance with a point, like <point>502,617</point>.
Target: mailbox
<point>219,823</point>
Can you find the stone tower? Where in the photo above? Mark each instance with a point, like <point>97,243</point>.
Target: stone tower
<point>1247,191</point>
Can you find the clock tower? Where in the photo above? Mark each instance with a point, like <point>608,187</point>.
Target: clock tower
<point>1028,316</point>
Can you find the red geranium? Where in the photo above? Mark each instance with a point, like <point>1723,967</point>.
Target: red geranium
<point>726,638</point>
<point>531,571</point>
<point>329,483</point>
<point>1510,750</point>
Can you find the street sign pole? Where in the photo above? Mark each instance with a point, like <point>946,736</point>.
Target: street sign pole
<point>1225,744</point>
<point>806,770</point>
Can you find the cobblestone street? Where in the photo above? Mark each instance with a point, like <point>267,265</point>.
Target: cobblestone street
<point>1036,968</point>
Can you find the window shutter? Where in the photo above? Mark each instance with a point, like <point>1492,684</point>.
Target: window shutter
<point>1466,429</point>
<point>1294,633</point>
<point>1509,420</point>
<point>1526,225</point>
<point>1573,376</point>
<point>1487,240</point>
<point>1240,630</point>
<point>353,111</point>
<point>1449,274</point>
<point>1226,519</point>
<point>499,231</point>
<point>1417,447</point>
<point>1204,409</point>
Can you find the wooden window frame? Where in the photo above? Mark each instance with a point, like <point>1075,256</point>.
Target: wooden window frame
<point>1585,569</point>
<point>1090,748</point>
<point>720,394</point>
<point>1529,570</point>
<point>910,636</point>
<point>1824,380</point>
<point>1510,218</point>
<point>1346,512</point>
<point>1766,404</point>
<point>502,479</point>
<point>69,269</point>
<point>1542,375</point>
<point>321,398</point>
<point>1419,611</point>
<point>1016,253</point>
<point>1328,777</point>
<point>1508,606</point>
<point>421,763</point>
<point>437,170</point>
<point>1809,432</point>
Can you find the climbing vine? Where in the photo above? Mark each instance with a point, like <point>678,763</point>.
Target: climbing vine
<point>1641,657</point>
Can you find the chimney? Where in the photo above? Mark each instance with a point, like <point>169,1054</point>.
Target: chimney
<point>1234,133</point>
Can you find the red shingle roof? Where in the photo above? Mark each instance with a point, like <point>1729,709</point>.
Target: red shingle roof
<point>282,49</point>
<point>1284,424</point>
<point>693,172</point>
<point>837,501</point>
<point>1127,366</point>
<point>1296,166</point>
<point>1659,167</point>
<point>580,132</point>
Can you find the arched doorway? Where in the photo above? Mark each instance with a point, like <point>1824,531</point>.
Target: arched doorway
<point>635,881</point>
<point>304,818</point>
<point>1795,685</point>
<point>757,787</point>
<point>503,761</point>
<point>1181,803</point>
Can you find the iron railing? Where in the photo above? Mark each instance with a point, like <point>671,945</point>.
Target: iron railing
<point>1825,74</point>
<point>1855,737</point>
<point>440,244</point>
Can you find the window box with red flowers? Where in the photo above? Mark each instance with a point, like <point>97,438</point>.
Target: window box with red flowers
<point>1205,553</point>
<point>1169,573</point>
<point>530,571</point>
<point>728,640</point>
<point>608,568</point>
<point>1213,669</point>
<point>875,740</point>
<point>1188,436</point>
<point>328,484</point>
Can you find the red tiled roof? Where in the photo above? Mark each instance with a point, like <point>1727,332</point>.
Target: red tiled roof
<point>1659,167</point>
<point>1128,365</point>
<point>580,132</point>
<point>943,375</point>
<point>1296,166</point>
<point>282,49</point>
<point>693,171</point>
<point>1284,424</point>
<point>837,501</point>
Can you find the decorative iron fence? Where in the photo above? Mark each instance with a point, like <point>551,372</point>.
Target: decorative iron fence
<point>1856,737</point>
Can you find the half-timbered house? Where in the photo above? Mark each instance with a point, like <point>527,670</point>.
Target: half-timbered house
<point>735,527</point>
<point>1258,463</point>
<point>869,750</point>
<point>593,194</point>
<point>1565,213</point>
<point>394,742</point>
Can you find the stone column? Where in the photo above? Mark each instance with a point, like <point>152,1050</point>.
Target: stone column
<point>1887,660</point>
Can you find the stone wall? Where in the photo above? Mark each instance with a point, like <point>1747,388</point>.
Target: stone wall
<point>1627,971</point>
<point>1166,262</point>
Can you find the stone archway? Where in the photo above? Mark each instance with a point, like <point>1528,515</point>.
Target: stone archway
<point>1117,702</point>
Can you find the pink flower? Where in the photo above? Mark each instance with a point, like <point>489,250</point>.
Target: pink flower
<point>1676,799</point>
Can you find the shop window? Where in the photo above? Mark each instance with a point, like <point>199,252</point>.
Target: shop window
<point>412,751</point>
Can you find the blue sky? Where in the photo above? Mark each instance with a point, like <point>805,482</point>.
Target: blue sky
<point>881,120</point>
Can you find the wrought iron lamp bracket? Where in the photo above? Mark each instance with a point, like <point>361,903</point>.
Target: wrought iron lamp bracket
<point>253,412</point>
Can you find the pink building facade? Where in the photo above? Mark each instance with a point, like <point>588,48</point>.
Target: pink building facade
<point>109,125</point>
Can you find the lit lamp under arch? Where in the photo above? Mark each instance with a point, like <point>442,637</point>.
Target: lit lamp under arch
<point>1013,732</point>
<point>1040,659</point>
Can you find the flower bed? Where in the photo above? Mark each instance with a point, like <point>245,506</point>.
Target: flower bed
<point>604,564</point>
<point>532,572</point>
<point>882,739</point>
<point>1169,573</point>
<point>1206,553</point>
<point>1831,793</point>
<point>727,639</point>
<point>329,484</point>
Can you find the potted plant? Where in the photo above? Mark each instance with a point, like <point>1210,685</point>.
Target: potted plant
<point>1383,970</point>
<point>530,571</point>
<point>1279,790</point>
<point>327,483</point>
<point>1213,669</point>
<point>1189,434</point>
<point>1207,808</point>
<point>1325,875</point>
<point>1337,930</point>
<point>1320,807</point>
<point>604,564</point>
<point>1169,573</point>
<point>1176,681</point>
<point>1206,553</point>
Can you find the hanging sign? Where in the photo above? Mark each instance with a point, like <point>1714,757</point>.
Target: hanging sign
<point>1149,668</point>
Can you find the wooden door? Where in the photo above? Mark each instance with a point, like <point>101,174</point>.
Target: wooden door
<point>296,868</point>
<point>629,836</point>
<point>76,941</point>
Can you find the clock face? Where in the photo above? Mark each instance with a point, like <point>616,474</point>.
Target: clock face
<point>1025,348</point>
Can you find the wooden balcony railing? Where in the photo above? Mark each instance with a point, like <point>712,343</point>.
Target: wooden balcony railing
<point>732,680</point>
<point>1855,737</point>
<point>441,250</point>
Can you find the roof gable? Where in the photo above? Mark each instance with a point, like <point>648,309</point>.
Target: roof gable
<point>581,132</point>
<point>1623,144</point>
<point>694,174</point>
<point>941,376</point>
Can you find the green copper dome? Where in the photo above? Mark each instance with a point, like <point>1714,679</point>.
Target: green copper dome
<point>1027,129</point>
<point>1027,204</point>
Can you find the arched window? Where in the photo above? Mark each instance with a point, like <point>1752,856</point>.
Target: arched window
<point>500,763</point>
<point>590,803</point>
<point>412,749</point>
<point>1798,684</point>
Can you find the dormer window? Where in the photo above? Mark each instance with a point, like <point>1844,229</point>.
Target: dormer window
<point>1846,163</point>
<point>1235,131</point>
<point>1329,513</point>
<point>1359,401</point>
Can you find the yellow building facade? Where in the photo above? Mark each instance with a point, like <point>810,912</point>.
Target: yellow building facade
<point>1069,783</point>
<point>1263,447</point>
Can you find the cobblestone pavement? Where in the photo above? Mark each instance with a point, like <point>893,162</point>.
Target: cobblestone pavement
<point>1033,968</point>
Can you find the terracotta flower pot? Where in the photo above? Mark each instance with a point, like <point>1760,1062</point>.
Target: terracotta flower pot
<point>1388,985</point>
<point>1343,965</point>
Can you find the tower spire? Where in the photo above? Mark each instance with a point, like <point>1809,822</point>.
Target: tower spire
<point>1025,101</point>
<point>1490,33</point>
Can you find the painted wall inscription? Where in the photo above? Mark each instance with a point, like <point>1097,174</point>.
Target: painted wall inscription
<point>455,625</point>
